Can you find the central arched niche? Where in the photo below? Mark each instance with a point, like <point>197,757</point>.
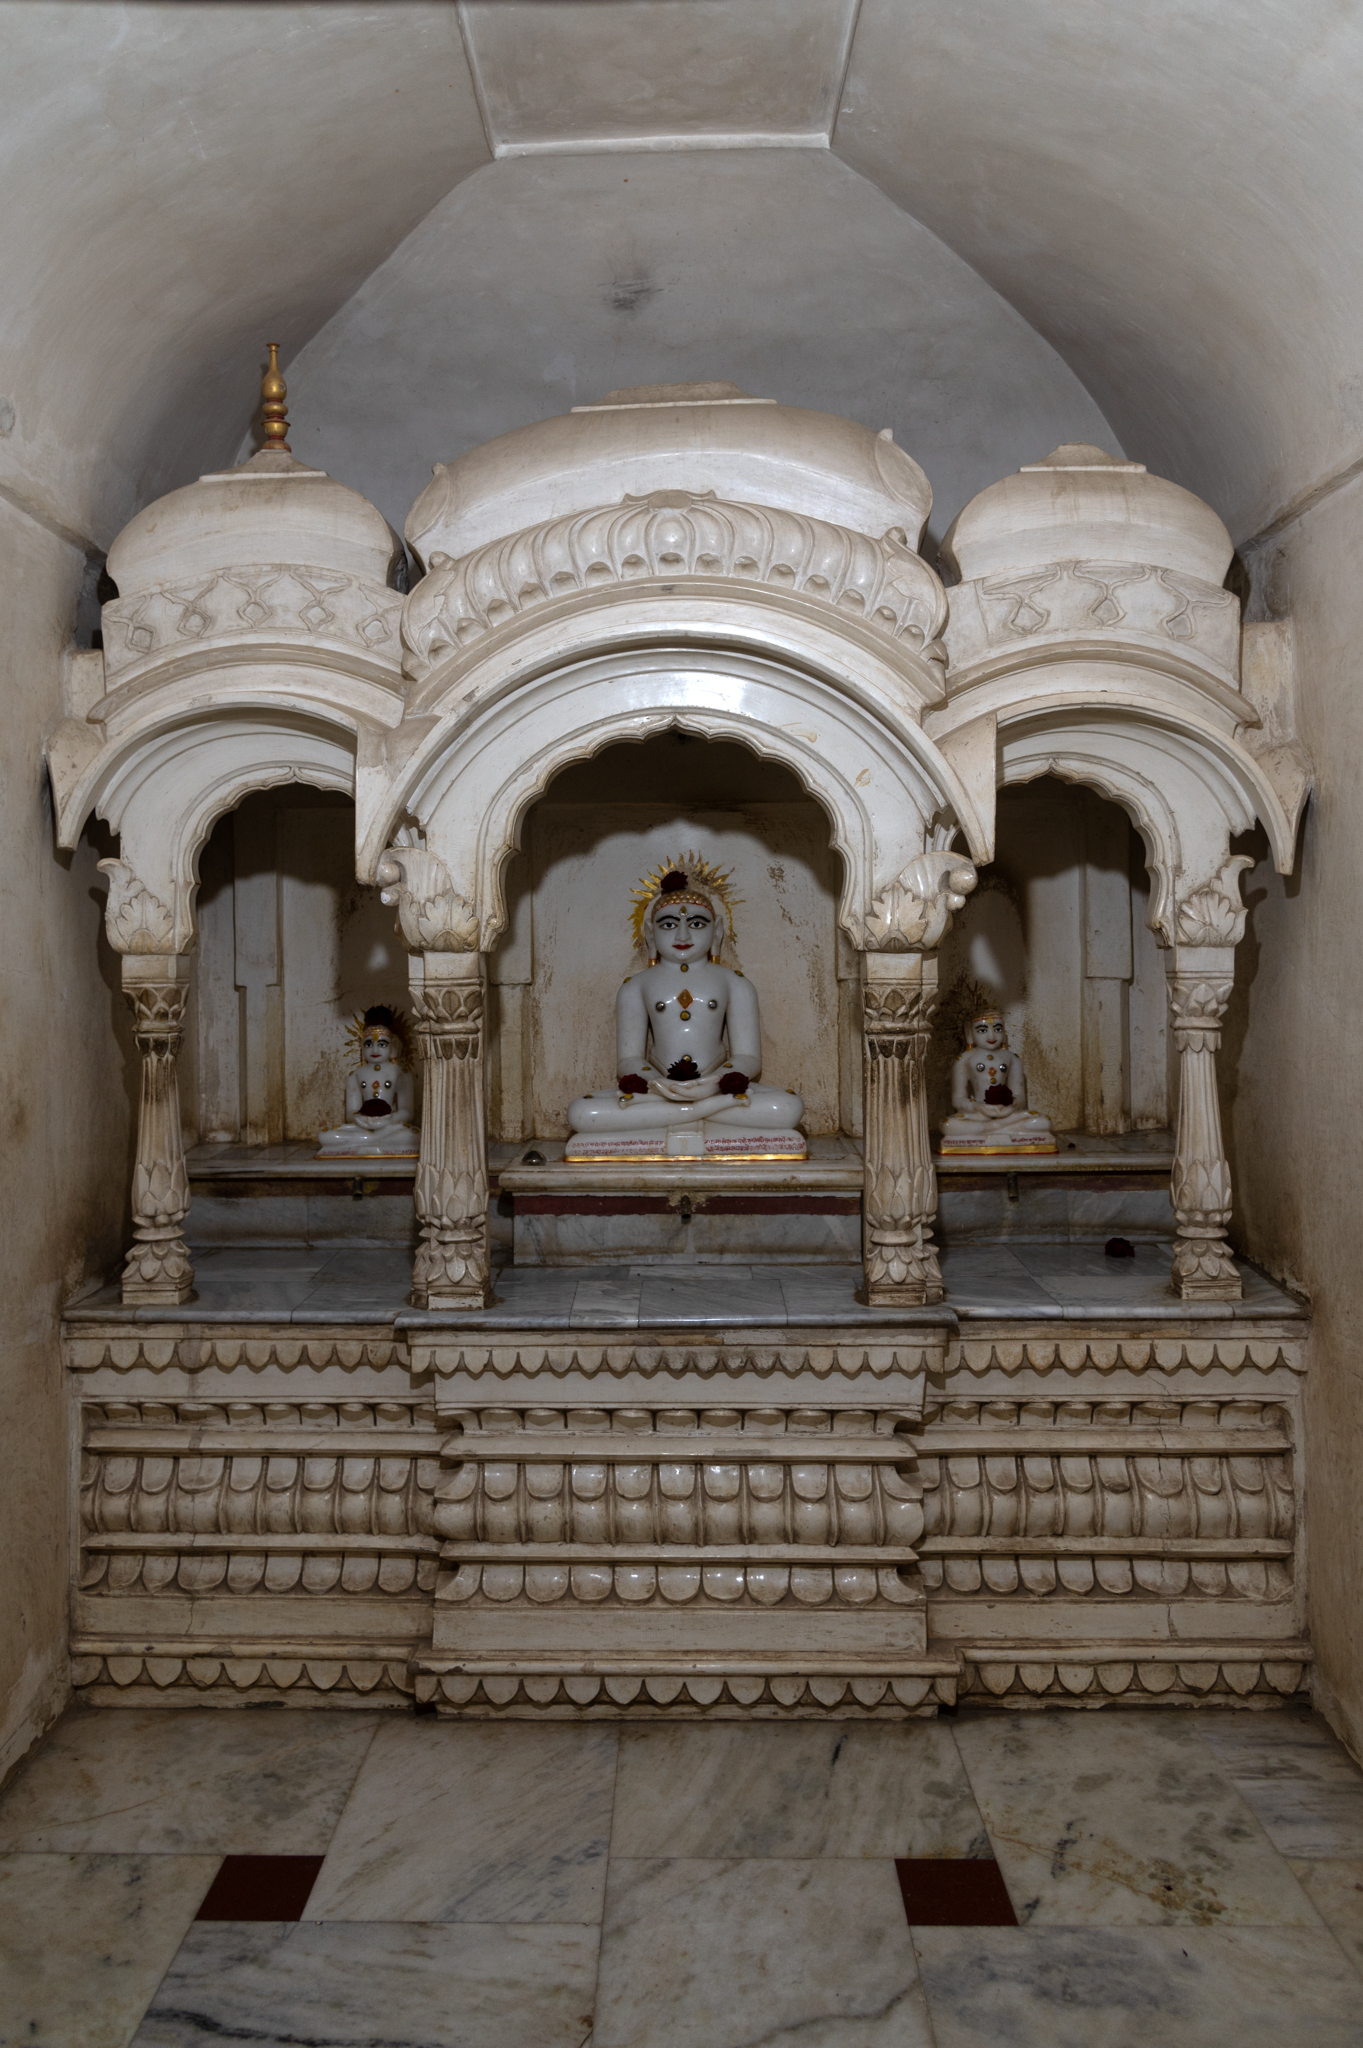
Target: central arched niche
<point>602,824</point>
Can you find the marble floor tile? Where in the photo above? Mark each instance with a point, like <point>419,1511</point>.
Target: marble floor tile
<point>274,1982</point>
<point>610,1298</point>
<point>378,1266</point>
<point>703,1954</point>
<point>479,1822</point>
<point>1335,1888</point>
<point>827,1294</point>
<point>275,1295</point>
<point>1083,1276</point>
<point>846,1789</point>
<point>257,1262</point>
<point>712,1294</point>
<point>1122,1821</point>
<point>1302,1817</point>
<point>1148,1987</point>
<point>992,1276</point>
<point>85,1940</point>
<point>141,1780</point>
<point>1288,1745</point>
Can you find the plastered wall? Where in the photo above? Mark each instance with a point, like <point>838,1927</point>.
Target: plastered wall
<point>67,1122</point>
<point>1293,1092</point>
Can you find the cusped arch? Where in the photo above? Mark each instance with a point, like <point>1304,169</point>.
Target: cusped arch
<point>165,792</point>
<point>884,786</point>
<point>1189,788</point>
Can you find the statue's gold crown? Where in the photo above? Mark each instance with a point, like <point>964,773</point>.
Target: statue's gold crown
<point>689,879</point>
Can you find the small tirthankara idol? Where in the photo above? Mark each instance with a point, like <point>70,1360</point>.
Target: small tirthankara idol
<point>688,1041</point>
<point>989,1097</point>
<point>378,1096</point>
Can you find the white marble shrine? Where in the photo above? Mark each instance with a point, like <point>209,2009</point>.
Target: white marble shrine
<point>514,1495</point>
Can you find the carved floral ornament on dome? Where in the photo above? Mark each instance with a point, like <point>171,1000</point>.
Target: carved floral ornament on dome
<point>261,601</point>
<point>1079,600</point>
<point>674,534</point>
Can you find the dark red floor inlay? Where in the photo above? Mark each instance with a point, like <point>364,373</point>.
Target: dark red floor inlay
<point>941,1891</point>
<point>260,1888</point>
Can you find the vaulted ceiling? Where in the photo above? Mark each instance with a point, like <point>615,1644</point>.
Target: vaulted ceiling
<point>991,227</point>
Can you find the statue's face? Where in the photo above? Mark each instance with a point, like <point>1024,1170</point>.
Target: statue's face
<point>989,1033</point>
<point>686,933</point>
<point>376,1046</point>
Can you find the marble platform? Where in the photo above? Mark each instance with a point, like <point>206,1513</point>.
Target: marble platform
<point>1023,1282</point>
<point>1191,1880</point>
<point>691,1490</point>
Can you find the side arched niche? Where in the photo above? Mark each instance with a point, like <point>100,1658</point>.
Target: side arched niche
<point>1057,934</point>
<point>290,948</point>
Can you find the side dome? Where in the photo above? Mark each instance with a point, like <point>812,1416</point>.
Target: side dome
<point>1081,503</point>
<point>272,509</point>
<point>697,438</point>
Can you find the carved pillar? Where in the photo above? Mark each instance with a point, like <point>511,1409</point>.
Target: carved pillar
<point>899,937</point>
<point>159,1271</point>
<point>1209,923</point>
<point>1199,990</point>
<point>453,1266</point>
<point>440,927</point>
<point>899,1202</point>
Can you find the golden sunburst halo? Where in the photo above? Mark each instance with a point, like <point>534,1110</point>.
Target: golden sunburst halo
<point>354,1033</point>
<point>701,874</point>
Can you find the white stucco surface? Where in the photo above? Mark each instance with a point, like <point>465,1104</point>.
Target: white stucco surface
<point>545,282</point>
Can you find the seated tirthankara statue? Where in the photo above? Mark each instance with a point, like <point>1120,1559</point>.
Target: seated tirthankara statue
<point>989,1097</point>
<point>688,1042</point>
<point>378,1097</point>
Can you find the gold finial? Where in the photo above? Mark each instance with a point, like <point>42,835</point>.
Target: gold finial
<point>273,410</point>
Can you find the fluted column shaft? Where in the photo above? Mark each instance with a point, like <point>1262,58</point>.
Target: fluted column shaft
<point>453,1266</point>
<point>899,1202</point>
<point>1199,990</point>
<point>159,1271</point>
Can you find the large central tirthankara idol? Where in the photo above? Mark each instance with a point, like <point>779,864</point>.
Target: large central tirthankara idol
<point>688,1041</point>
<point>542,1384</point>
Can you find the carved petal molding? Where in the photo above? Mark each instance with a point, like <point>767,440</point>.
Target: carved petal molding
<point>671,535</point>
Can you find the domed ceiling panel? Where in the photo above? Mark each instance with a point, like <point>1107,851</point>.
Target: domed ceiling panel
<point>544,282</point>
<point>1169,193</point>
<point>598,72</point>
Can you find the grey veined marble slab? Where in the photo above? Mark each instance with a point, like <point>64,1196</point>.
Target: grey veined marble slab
<point>1146,1987</point>
<point>272,1984</point>
<point>840,1790</point>
<point>477,1822</point>
<point>1334,1886</point>
<point>85,1940</point>
<point>142,1780</point>
<point>788,1954</point>
<point>1122,1821</point>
